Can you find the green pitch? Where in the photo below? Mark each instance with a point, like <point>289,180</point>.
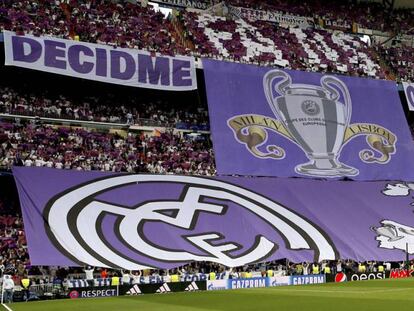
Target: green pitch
<point>393,295</point>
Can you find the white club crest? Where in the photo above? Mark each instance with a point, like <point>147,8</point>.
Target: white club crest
<point>74,215</point>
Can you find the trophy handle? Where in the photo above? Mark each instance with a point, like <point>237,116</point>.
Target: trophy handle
<point>281,87</point>
<point>326,82</point>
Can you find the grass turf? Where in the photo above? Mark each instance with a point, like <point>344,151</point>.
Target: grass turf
<point>354,296</point>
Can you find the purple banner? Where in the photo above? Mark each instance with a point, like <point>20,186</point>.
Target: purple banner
<point>164,221</point>
<point>272,122</point>
<point>100,62</point>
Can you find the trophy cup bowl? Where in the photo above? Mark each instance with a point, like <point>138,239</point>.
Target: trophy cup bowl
<point>316,120</point>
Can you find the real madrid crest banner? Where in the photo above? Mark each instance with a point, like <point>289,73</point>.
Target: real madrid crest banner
<point>138,221</point>
<point>286,123</point>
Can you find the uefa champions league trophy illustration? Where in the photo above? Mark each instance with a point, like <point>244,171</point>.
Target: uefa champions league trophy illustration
<point>315,118</point>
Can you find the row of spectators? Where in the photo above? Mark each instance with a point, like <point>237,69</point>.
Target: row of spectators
<point>281,267</point>
<point>91,276</point>
<point>129,109</point>
<point>81,149</point>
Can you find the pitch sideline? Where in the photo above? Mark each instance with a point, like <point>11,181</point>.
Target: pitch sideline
<point>7,307</point>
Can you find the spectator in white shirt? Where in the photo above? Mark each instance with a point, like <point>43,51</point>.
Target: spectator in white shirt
<point>126,278</point>
<point>136,277</point>
<point>305,268</point>
<point>89,275</point>
<point>8,288</point>
<point>339,266</point>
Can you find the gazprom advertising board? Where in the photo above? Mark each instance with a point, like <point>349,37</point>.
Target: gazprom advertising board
<point>266,282</point>
<point>308,279</point>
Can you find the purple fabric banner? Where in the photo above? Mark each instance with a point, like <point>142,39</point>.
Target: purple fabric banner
<point>100,62</point>
<point>272,122</point>
<point>165,221</point>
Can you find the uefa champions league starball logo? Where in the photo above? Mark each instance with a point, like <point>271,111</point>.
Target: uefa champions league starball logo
<point>310,107</point>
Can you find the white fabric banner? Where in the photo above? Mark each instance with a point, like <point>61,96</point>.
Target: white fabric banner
<point>199,5</point>
<point>409,94</point>
<point>103,63</point>
<point>253,15</point>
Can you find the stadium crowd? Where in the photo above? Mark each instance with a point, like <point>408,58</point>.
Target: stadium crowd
<point>265,43</point>
<point>169,152</point>
<point>80,149</point>
<point>274,268</point>
<point>137,26</point>
<point>120,24</point>
<point>34,17</point>
<point>401,60</point>
<point>128,109</point>
<point>13,246</point>
<point>314,49</point>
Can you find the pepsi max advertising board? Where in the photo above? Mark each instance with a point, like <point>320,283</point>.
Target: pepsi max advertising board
<point>352,277</point>
<point>392,274</point>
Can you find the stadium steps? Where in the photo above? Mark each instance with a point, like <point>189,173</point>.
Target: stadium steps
<point>179,30</point>
<point>389,72</point>
<point>68,14</point>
